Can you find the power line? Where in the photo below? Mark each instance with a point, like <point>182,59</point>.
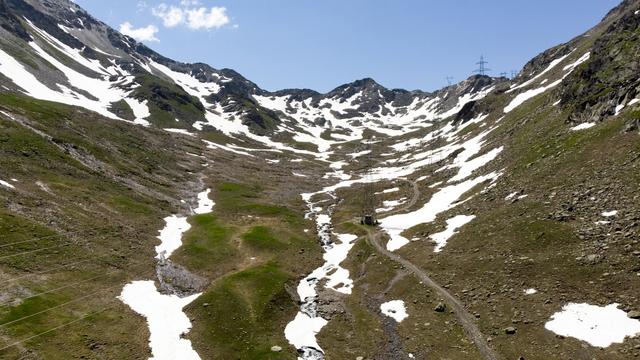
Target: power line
<point>56,328</point>
<point>68,242</point>
<point>90,258</point>
<point>449,80</point>
<point>369,197</point>
<point>35,251</point>
<point>57,235</point>
<point>482,66</point>
<point>64,324</point>
<point>63,304</point>
<point>54,268</point>
<point>56,307</point>
<point>126,272</point>
<point>135,265</point>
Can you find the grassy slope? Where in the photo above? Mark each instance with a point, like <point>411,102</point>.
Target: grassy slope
<point>112,226</point>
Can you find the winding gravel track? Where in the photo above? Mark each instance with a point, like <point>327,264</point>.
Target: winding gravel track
<point>466,320</point>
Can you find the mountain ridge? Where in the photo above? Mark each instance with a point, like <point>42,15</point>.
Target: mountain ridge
<point>232,93</point>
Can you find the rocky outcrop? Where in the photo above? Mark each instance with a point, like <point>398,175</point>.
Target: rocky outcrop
<point>609,79</point>
<point>177,280</point>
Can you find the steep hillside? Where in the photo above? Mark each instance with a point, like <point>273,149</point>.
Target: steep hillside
<point>176,211</point>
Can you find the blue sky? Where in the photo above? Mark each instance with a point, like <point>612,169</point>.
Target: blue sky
<point>321,44</point>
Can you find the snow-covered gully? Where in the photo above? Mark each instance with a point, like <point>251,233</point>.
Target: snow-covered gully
<point>165,318</point>
<point>302,331</point>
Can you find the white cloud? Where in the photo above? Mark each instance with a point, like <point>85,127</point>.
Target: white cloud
<point>147,33</point>
<point>142,5</point>
<point>215,17</point>
<point>190,16</point>
<point>171,16</point>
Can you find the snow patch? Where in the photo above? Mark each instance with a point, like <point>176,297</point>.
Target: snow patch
<point>212,145</point>
<point>394,309</point>
<point>171,235</point>
<point>523,97</point>
<point>453,225</point>
<point>388,191</point>
<point>583,126</point>
<point>34,88</point>
<point>6,184</point>
<point>205,205</point>
<point>574,65</point>
<point>511,196</point>
<point>140,111</point>
<point>440,202</point>
<point>167,323</point>
<point>389,205</point>
<point>302,331</point>
<point>596,325</point>
<point>610,213</point>
<point>359,154</point>
<point>553,64</point>
<point>179,131</point>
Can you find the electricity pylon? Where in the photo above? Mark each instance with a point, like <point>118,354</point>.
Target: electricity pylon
<point>482,66</point>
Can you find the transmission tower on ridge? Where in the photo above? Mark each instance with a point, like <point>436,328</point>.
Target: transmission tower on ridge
<point>482,66</point>
<point>449,80</point>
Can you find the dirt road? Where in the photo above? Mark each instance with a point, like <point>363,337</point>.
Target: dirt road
<point>375,237</point>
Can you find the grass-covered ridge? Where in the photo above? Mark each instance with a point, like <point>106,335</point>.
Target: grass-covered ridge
<point>243,315</point>
<point>252,249</point>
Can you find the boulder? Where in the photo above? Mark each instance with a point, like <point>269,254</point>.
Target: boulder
<point>441,307</point>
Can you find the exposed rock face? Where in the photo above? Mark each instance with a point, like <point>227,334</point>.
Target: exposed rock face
<point>9,22</point>
<point>609,78</point>
<point>330,303</point>
<point>542,61</point>
<point>175,279</point>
